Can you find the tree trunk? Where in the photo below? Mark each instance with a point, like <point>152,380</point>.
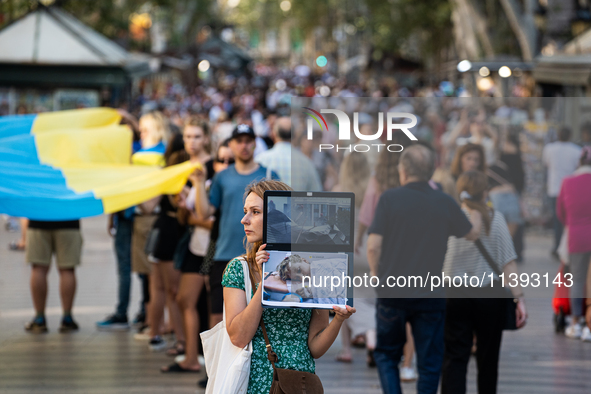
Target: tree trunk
<point>465,37</point>
<point>516,25</point>
<point>480,26</point>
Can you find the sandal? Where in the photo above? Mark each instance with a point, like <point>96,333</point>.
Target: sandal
<point>177,350</point>
<point>342,359</point>
<point>177,368</point>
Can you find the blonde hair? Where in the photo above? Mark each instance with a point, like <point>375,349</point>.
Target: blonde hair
<point>284,268</point>
<point>475,183</point>
<point>354,175</point>
<point>259,189</point>
<point>159,127</point>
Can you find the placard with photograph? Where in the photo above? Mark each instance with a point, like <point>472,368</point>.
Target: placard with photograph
<point>300,279</point>
<point>310,240</point>
<point>321,221</point>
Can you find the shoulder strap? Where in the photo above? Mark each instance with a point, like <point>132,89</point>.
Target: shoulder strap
<point>485,254</point>
<point>247,285</point>
<point>271,355</point>
<point>247,282</point>
<point>487,257</point>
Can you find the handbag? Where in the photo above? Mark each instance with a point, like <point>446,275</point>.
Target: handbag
<point>228,366</point>
<point>509,302</point>
<point>288,381</point>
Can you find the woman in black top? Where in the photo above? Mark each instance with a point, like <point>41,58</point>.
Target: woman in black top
<point>164,279</point>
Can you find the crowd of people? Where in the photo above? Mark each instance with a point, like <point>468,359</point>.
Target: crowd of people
<point>425,205</point>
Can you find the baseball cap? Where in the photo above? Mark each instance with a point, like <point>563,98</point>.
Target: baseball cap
<point>243,129</point>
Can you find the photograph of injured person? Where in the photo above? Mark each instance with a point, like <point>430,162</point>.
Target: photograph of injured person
<point>302,278</point>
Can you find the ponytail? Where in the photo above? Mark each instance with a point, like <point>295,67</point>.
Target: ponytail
<point>484,211</point>
<point>471,187</point>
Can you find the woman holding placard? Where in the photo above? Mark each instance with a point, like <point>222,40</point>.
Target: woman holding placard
<point>297,336</point>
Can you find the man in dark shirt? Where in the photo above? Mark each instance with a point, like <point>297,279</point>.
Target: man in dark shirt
<point>43,240</point>
<point>408,237</point>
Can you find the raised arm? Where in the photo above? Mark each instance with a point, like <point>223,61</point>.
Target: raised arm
<point>458,129</point>
<point>203,208</point>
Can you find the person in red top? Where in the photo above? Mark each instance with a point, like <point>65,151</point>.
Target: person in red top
<point>574,211</point>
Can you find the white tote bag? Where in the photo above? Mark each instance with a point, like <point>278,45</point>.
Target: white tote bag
<point>228,366</point>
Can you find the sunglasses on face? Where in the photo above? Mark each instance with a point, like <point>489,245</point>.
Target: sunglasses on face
<point>225,161</point>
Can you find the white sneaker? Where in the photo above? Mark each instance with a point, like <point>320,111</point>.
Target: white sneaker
<point>573,331</point>
<point>408,374</point>
<point>586,335</point>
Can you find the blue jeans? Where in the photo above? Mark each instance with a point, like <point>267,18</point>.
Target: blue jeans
<point>427,330</point>
<point>123,253</point>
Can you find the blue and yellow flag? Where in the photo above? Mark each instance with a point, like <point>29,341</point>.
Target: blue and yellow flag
<point>73,164</point>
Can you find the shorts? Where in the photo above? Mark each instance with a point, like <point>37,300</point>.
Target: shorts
<point>181,250</point>
<point>215,285</point>
<point>507,204</point>
<point>192,264</point>
<point>168,238</point>
<point>65,243</point>
<point>141,228</point>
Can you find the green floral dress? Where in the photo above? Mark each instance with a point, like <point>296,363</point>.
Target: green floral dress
<point>288,334</point>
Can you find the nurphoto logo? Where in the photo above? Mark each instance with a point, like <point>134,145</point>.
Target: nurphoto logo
<point>394,121</point>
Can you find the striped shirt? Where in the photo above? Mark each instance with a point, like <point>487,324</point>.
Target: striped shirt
<point>463,257</point>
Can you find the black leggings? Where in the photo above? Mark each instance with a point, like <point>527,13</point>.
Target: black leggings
<point>466,317</point>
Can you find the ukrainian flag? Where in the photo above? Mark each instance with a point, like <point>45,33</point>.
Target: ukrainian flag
<point>72,164</point>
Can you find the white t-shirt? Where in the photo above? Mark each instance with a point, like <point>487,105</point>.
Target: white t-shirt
<point>200,238</point>
<point>562,159</point>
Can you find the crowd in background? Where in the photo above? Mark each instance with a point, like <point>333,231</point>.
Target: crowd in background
<point>175,246</point>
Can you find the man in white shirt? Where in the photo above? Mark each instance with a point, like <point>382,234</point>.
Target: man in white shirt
<point>292,166</point>
<point>561,158</point>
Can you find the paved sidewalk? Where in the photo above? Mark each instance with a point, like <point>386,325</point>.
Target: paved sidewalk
<point>533,360</point>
